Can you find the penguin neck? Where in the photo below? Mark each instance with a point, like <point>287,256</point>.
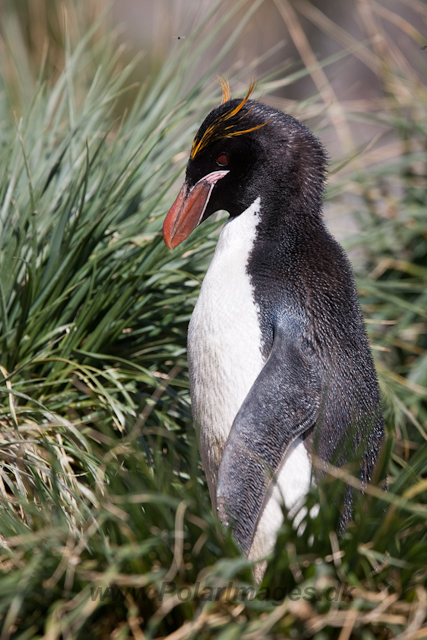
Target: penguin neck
<point>291,197</point>
<point>286,218</point>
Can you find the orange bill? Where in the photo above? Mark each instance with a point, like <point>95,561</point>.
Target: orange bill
<point>187,211</point>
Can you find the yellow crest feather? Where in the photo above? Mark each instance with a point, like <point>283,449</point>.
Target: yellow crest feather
<point>219,129</point>
<point>225,86</point>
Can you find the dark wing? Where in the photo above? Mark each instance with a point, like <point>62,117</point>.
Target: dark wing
<point>283,402</point>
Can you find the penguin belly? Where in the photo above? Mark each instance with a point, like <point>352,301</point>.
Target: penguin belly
<point>224,341</point>
<point>225,358</point>
<point>290,488</point>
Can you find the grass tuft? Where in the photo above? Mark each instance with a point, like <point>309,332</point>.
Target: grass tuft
<point>106,527</point>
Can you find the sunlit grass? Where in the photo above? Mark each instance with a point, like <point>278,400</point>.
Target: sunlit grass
<point>100,483</point>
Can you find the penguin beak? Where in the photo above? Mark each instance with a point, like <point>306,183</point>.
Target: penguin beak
<point>187,211</point>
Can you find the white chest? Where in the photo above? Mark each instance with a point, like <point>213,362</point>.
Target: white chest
<point>224,340</point>
<point>224,357</point>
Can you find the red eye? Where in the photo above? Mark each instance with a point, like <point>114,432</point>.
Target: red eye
<point>222,160</point>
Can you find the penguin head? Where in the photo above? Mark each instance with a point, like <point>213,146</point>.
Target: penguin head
<point>244,150</point>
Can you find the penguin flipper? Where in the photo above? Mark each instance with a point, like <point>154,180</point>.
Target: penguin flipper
<point>282,404</point>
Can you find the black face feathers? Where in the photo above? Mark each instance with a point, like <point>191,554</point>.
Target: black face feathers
<point>267,151</point>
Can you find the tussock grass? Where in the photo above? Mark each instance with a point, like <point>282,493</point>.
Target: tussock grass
<point>105,521</point>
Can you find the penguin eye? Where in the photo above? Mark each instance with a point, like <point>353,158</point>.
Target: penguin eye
<point>222,159</point>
